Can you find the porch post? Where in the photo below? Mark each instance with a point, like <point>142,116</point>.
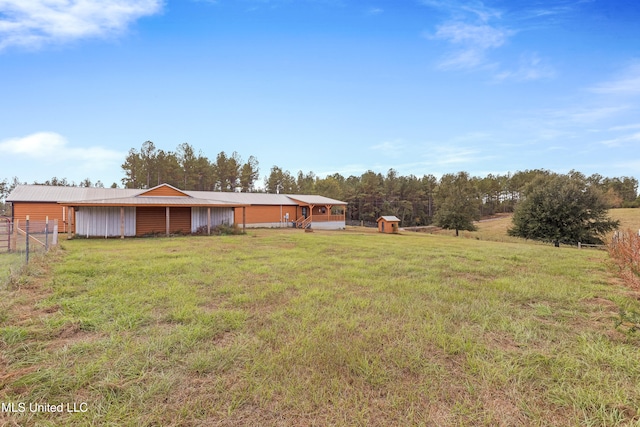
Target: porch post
<point>328,212</point>
<point>167,220</point>
<point>244,218</point>
<point>69,223</point>
<point>122,222</point>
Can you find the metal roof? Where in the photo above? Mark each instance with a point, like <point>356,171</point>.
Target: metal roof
<point>389,218</point>
<point>152,201</point>
<point>315,200</point>
<point>244,198</point>
<point>51,193</point>
<point>121,196</point>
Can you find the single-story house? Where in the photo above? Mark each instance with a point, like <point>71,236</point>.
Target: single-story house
<point>388,224</point>
<point>117,212</point>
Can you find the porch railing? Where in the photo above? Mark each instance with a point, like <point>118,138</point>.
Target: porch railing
<point>327,218</point>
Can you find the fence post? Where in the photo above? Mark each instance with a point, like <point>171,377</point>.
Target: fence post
<point>27,242</point>
<point>14,234</point>
<point>579,245</point>
<point>46,234</point>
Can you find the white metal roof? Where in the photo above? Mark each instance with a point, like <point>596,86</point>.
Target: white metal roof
<point>315,200</point>
<point>152,201</point>
<point>51,193</point>
<point>82,195</point>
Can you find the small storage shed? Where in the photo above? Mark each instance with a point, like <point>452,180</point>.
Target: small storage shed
<point>388,224</point>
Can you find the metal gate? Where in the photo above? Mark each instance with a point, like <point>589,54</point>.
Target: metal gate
<point>5,235</point>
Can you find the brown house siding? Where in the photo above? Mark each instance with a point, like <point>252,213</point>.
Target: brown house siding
<point>163,191</point>
<point>40,212</point>
<point>152,220</point>
<point>265,214</point>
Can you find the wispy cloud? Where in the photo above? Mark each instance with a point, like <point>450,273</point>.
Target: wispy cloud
<point>374,11</point>
<point>33,23</point>
<point>623,140</point>
<point>474,31</point>
<point>626,83</point>
<point>471,41</point>
<point>589,115</point>
<point>389,148</point>
<point>475,8</point>
<point>531,67</point>
<point>626,127</point>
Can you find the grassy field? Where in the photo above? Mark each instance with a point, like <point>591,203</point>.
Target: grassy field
<point>629,218</point>
<point>495,229</point>
<point>325,328</point>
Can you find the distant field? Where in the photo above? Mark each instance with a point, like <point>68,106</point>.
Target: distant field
<point>629,218</point>
<point>282,327</point>
<point>495,229</point>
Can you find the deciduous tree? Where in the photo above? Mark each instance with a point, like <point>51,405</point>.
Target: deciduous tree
<point>457,202</point>
<point>562,209</point>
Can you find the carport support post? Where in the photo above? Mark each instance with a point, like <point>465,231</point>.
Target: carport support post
<point>122,222</point>
<point>69,224</point>
<point>167,220</point>
<point>208,221</point>
<point>27,241</point>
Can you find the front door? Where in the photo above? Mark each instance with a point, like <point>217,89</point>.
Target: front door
<point>304,212</point>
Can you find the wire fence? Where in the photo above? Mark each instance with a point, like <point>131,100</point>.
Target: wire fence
<point>21,240</point>
<point>359,223</point>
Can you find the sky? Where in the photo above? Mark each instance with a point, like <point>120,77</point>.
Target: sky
<point>328,86</point>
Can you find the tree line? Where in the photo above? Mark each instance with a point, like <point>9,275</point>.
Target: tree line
<point>413,199</point>
<point>417,200</point>
<point>188,170</point>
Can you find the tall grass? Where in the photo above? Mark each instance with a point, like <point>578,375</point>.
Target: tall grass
<point>325,328</point>
<point>624,249</point>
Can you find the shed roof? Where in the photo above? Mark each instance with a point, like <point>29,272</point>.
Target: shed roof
<point>388,218</point>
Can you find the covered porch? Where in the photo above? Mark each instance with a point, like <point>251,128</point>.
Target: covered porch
<point>320,212</point>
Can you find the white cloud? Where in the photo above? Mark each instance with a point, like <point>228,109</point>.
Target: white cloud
<point>51,146</point>
<point>473,42</point>
<point>531,67</point>
<point>37,145</point>
<point>375,11</point>
<point>32,23</point>
<point>391,148</point>
<point>626,127</point>
<point>627,83</point>
<point>623,140</point>
<point>475,30</point>
<point>590,115</point>
<point>475,8</point>
<point>471,31</point>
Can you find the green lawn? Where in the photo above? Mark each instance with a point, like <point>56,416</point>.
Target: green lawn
<point>282,327</point>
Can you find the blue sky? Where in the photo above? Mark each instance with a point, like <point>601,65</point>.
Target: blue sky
<point>421,86</point>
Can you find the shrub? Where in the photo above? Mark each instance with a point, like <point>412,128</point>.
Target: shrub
<point>226,230</point>
<point>624,249</point>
